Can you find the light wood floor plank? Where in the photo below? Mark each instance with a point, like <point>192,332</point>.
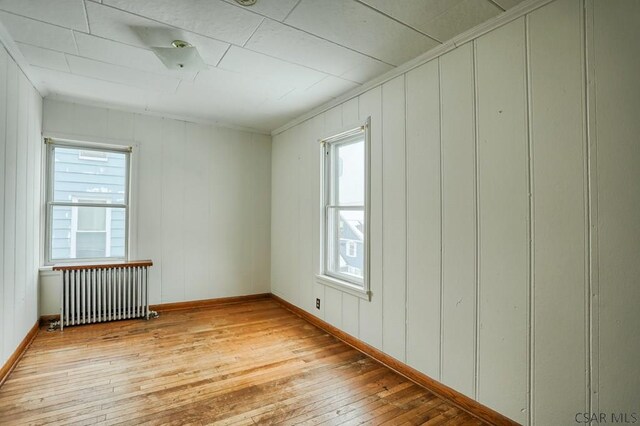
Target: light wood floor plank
<point>241,364</point>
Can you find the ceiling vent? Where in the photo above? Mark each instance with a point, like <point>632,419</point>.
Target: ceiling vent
<point>181,56</point>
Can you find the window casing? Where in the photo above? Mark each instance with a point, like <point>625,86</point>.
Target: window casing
<point>87,202</point>
<point>345,211</point>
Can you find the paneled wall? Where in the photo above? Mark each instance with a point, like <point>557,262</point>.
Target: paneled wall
<point>20,151</point>
<point>505,239</point>
<point>200,201</point>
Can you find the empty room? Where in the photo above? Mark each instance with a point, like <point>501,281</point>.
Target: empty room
<point>319,212</point>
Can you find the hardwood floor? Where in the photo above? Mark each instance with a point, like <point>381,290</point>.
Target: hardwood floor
<point>241,364</point>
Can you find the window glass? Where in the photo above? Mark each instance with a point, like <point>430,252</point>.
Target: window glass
<point>344,199</point>
<point>87,203</point>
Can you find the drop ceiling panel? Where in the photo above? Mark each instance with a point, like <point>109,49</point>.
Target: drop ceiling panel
<point>66,13</point>
<point>266,67</point>
<point>213,18</point>
<point>121,75</point>
<point>44,58</point>
<point>38,33</point>
<point>358,27</point>
<point>293,45</point>
<point>131,29</point>
<point>277,10</point>
<point>441,19</point>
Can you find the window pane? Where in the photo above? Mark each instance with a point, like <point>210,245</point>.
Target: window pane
<point>92,219</point>
<point>345,237</point>
<point>350,172</point>
<point>91,245</point>
<point>78,176</point>
<point>87,232</point>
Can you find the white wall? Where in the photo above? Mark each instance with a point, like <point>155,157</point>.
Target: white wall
<point>20,150</point>
<point>498,206</point>
<point>200,201</point>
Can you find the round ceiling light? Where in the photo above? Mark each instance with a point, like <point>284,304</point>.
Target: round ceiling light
<point>246,2</point>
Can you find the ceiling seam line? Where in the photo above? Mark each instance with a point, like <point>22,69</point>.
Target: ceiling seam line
<point>399,21</point>
<point>253,33</point>
<point>291,11</point>
<point>496,4</point>
<point>86,15</point>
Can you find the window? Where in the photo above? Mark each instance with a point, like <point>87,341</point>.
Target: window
<point>352,248</point>
<point>87,202</point>
<point>344,199</point>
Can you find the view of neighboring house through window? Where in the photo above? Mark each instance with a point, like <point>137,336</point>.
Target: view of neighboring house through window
<point>344,199</point>
<point>87,202</point>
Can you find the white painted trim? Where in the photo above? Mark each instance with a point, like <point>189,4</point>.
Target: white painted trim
<point>343,286</point>
<point>500,20</point>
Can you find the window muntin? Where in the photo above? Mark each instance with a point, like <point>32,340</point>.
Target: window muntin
<point>87,202</point>
<point>345,173</point>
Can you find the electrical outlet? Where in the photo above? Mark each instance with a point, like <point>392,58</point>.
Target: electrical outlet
<point>317,303</point>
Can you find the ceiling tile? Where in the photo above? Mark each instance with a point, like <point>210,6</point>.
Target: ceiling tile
<point>227,85</point>
<point>213,18</point>
<point>358,27</point>
<point>293,45</point>
<point>116,74</point>
<point>441,19</point>
<point>43,57</point>
<point>277,10</point>
<point>117,53</point>
<point>38,33</point>
<point>66,85</point>
<point>66,13</point>
<point>121,26</point>
<point>262,66</point>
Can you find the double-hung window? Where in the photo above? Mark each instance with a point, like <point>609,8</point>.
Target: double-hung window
<point>345,240</point>
<point>87,202</point>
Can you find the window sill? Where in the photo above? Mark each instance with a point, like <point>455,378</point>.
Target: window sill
<point>344,286</point>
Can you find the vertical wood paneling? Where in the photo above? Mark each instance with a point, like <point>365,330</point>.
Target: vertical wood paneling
<point>350,112</point>
<point>20,119</point>
<point>197,226</point>
<point>313,157</point>
<point>173,163</point>
<point>31,218</point>
<point>285,257</point>
<point>370,105</point>
<point>20,284</point>
<point>4,58</point>
<point>423,219</point>
<point>503,207</point>
<point>394,219</point>
<point>10,185</point>
<point>148,134</point>
<point>559,317</point>
<point>333,306</point>
<point>350,314</point>
<point>308,181</point>
<point>616,62</point>
<point>261,201</point>
<point>458,220</point>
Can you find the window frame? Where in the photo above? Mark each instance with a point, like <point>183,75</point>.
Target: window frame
<point>50,203</point>
<point>325,276</point>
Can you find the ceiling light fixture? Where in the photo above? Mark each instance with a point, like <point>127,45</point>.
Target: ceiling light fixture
<point>181,56</point>
<point>246,2</point>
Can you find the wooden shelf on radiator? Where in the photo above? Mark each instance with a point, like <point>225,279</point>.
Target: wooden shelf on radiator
<point>110,265</point>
